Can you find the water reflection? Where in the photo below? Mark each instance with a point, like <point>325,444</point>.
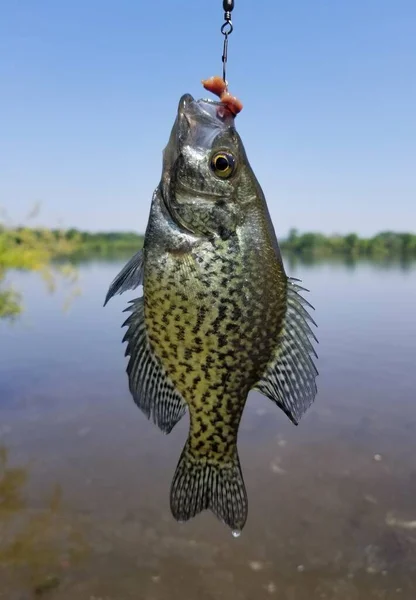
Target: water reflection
<point>294,261</point>
<point>37,546</point>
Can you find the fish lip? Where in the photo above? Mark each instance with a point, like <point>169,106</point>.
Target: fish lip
<point>184,102</point>
<point>183,121</point>
<point>187,100</point>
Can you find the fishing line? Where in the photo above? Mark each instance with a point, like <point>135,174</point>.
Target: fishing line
<point>226,30</point>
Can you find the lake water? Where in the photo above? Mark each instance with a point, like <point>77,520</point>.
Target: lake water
<point>84,477</point>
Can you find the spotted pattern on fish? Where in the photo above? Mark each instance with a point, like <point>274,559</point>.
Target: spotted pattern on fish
<point>203,317</point>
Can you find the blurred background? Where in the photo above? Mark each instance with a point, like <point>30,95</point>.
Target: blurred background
<point>88,95</point>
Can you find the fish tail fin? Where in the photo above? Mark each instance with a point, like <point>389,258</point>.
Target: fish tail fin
<point>202,483</point>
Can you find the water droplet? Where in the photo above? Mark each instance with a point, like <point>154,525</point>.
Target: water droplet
<point>236,533</point>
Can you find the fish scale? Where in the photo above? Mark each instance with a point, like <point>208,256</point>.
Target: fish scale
<point>218,316</point>
<point>208,345</point>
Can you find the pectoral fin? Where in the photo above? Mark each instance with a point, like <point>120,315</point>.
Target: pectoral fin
<point>289,379</point>
<point>129,278</point>
<point>149,384</point>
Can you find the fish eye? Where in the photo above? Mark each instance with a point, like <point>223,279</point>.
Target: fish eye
<point>223,164</point>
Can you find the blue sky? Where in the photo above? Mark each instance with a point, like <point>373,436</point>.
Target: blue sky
<point>89,90</point>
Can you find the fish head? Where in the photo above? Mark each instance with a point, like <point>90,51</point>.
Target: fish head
<point>206,177</point>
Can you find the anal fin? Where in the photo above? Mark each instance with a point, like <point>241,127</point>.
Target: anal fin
<point>149,384</point>
<point>289,379</point>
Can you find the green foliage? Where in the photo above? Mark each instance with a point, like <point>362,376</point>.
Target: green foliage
<point>384,245</point>
<point>104,244</point>
<point>51,252</point>
<point>35,250</point>
<point>9,303</point>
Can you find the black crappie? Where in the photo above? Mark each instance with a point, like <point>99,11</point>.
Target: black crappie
<point>218,316</point>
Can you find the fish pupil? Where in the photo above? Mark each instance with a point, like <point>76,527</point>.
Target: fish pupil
<point>222,163</point>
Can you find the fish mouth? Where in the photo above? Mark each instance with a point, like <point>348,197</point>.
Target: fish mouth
<point>188,104</point>
<point>202,115</point>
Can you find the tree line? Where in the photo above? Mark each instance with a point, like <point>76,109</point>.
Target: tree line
<point>387,244</point>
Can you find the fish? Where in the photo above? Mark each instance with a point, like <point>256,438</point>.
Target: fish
<point>218,316</point>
